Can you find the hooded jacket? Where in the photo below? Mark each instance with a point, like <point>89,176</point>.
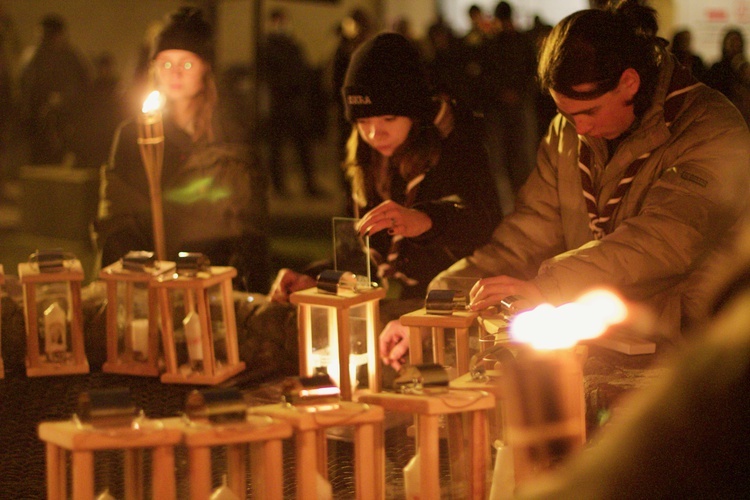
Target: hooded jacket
<point>667,235</point>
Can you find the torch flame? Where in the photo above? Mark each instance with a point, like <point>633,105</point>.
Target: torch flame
<point>152,102</point>
<point>547,327</point>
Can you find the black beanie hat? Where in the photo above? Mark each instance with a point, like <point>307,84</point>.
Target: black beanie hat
<point>385,77</point>
<point>187,30</point>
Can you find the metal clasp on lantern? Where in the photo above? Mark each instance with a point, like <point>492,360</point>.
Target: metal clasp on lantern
<point>220,405</point>
<point>50,261</point>
<point>111,407</point>
<point>192,264</point>
<point>428,378</point>
<point>444,302</point>
<point>318,391</point>
<point>331,281</point>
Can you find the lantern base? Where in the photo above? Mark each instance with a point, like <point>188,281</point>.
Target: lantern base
<point>44,369</point>
<point>222,373</point>
<point>131,368</point>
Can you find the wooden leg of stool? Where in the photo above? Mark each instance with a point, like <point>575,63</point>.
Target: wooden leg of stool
<point>55,472</point>
<point>480,451</point>
<point>429,455</point>
<point>266,470</point>
<point>163,482</point>
<point>83,475</point>
<point>199,465</point>
<point>133,474</point>
<point>457,451</point>
<point>366,463</point>
<point>307,468</point>
<point>236,457</point>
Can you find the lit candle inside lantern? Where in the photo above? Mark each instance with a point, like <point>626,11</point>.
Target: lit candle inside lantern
<point>544,384</point>
<point>139,335</point>
<point>151,145</point>
<point>55,323</point>
<point>193,338</point>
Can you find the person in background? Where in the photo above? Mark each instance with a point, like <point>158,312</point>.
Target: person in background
<point>52,87</point>
<point>731,74</point>
<point>213,190</point>
<point>641,181</point>
<point>682,48</point>
<point>289,77</point>
<point>421,185</point>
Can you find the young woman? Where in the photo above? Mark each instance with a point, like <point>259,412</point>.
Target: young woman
<point>214,194</point>
<point>419,178</point>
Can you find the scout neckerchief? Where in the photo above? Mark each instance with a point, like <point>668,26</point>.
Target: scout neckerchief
<point>682,82</point>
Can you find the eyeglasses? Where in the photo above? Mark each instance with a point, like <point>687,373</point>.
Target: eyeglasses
<point>169,65</point>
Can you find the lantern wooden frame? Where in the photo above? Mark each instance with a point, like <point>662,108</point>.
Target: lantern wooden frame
<point>311,448</point>
<point>81,441</point>
<point>422,324</point>
<point>339,307</point>
<point>2,366</point>
<point>197,288</point>
<point>30,277</point>
<point>469,454</point>
<point>123,362</point>
<point>263,435</point>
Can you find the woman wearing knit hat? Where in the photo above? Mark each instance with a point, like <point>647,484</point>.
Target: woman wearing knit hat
<point>214,193</point>
<point>420,182</point>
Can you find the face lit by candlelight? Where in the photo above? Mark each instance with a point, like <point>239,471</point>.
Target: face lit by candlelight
<point>384,133</point>
<point>180,74</point>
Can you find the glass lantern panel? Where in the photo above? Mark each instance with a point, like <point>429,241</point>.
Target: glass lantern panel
<point>53,305</point>
<point>362,334</point>
<point>324,341</point>
<point>351,252</point>
<point>218,323</point>
<point>132,319</point>
<point>187,328</point>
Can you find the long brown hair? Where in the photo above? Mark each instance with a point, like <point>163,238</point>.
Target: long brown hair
<point>419,152</point>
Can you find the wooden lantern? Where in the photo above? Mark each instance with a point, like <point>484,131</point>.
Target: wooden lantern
<point>202,306</point>
<point>422,324</point>
<point>53,313</point>
<point>311,450</point>
<point>107,419</point>
<point>133,317</point>
<point>217,418</point>
<point>469,452</point>
<point>2,367</point>
<point>339,331</point>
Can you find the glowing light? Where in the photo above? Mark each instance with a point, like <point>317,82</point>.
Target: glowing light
<point>547,327</point>
<point>152,102</point>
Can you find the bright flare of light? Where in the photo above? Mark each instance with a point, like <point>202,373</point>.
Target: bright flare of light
<point>152,102</point>
<point>547,327</point>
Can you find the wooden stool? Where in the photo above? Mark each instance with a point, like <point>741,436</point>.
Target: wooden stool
<point>195,300</point>
<point>338,313</point>
<point>133,341</point>
<point>312,449</point>
<point>469,455</point>
<point>420,322</point>
<point>37,303</point>
<point>263,434</point>
<point>83,440</point>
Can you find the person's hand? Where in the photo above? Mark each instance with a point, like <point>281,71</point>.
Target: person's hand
<point>288,281</point>
<point>394,344</point>
<point>396,219</point>
<point>489,292</point>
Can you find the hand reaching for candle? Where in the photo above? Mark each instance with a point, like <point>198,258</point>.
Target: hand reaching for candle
<point>394,344</point>
<point>395,219</point>
<point>489,292</point>
<point>287,282</point>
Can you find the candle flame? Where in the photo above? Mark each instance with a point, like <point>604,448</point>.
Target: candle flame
<point>152,102</point>
<point>547,327</point>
